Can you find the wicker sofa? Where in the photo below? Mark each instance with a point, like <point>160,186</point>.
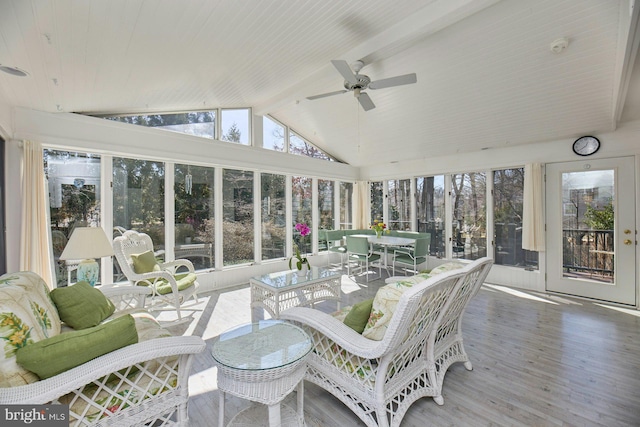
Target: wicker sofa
<point>145,382</point>
<point>412,336</point>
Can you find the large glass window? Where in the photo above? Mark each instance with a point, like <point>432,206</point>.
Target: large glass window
<point>273,216</point>
<point>237,206</point>
<point>430,196</point>
<point>198,123</point>
<point>399,192</point>
<point>194,215</point>
<point>301,147</point>
<point>74,200</point>
<point>508,190</point>
<point>325,209</point>
<point>302,211</point>
<point>3,242</point>
<point>468,192</point>
<point>138,198</point>
<point>346,200</point>
<point>377,202</point>
<point>272,134</point>
<point>235,125</point>
<point>325,204</point>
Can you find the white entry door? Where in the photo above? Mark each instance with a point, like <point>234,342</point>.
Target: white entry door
<point>591,232</point>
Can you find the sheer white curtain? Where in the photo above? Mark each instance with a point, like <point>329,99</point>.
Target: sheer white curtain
<point>35,253</point>
<point>361,205</point>
<point>533,209</point>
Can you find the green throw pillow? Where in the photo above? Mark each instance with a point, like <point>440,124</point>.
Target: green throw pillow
<point>145,262</point>
<point>62,352</point>
<point>81,306</point>
<point>359,315</point>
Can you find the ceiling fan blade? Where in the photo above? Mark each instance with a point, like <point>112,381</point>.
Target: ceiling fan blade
<point>366,102</point>
<point>323,95</point>
<point>344,69</point>
<point>394,81</point>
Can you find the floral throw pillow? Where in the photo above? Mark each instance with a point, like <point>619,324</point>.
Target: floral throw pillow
<point>384,304</point>
<point>27,315</point>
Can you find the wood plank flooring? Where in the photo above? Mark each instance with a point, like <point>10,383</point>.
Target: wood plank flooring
<point>539,360</point>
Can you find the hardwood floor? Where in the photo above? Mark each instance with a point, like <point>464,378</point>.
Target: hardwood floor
<point>539,360</point>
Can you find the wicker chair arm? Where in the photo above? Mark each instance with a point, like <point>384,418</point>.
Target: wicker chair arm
<point>336,331</point>
<point>47,390</point>
<point>174,265</point>
<point>152,276</point>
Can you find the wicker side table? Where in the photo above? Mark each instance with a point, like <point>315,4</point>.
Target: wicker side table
<point>262,362</point>
<point>276,292</point>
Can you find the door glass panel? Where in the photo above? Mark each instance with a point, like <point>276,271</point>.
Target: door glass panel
<point>588,224</point>
<point>469,239</point>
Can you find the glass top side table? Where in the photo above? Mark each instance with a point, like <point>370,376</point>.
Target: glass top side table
<point>276,292</point>
<point>262,362</point>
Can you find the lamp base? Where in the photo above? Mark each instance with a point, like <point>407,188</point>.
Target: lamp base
<point>88,271</point>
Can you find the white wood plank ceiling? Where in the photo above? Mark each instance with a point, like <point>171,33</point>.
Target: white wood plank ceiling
<point>486,75</point>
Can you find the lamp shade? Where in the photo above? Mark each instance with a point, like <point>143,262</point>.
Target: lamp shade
<point>87,242</point>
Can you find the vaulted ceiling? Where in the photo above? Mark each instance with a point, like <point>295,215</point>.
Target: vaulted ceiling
<point>486,74</point>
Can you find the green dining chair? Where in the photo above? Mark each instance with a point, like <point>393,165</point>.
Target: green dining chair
<point>412,258</point>
<point>358,250</point>
<point>335,246</point>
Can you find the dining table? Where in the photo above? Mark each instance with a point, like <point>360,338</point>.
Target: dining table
<point>386,242</point>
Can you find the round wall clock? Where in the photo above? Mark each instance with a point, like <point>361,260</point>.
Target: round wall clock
<point>586,145</point>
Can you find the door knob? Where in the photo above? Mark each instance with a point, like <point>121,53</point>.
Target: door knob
<point>627,241</point>
<point>627,231</point>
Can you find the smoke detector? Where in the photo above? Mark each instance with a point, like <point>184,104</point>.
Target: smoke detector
<point>558,45</point>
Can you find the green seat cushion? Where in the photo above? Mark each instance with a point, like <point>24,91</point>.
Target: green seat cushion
<point>185,280</point>
<point>358,316</point>
<point>145,262</point>
<point>57,354</point>
<point>81,305</point>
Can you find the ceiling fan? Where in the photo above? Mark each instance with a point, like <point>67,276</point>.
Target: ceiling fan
<point>357,83</point>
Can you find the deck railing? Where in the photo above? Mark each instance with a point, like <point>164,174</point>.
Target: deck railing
<point>588,252</point>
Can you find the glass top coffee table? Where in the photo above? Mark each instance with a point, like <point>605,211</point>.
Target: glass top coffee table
<point>276,292</point>
<point>262,362</point>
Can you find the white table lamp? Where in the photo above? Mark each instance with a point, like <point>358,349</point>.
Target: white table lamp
<point>86,244</point>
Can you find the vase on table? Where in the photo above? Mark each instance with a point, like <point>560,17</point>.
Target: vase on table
<point>302,272</point>
<point>378,233</point>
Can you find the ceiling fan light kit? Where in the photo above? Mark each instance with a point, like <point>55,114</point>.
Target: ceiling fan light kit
<point>357,83</point>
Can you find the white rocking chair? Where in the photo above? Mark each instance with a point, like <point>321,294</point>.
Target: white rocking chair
<point>183,284</point>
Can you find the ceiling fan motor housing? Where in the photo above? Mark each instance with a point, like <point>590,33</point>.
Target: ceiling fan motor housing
<point>362,83</point>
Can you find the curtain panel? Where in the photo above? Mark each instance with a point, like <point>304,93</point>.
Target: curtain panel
<point>35,243</point>
<point>361,205</point>
<point>533,209</point>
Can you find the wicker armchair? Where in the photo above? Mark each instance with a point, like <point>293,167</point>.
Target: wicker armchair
<point>379,380</point>
<point>178,274</point>
<point>142,383</point>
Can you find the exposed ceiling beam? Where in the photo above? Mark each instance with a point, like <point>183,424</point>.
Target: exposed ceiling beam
<point>628,42</point>
<point>432,18</point>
